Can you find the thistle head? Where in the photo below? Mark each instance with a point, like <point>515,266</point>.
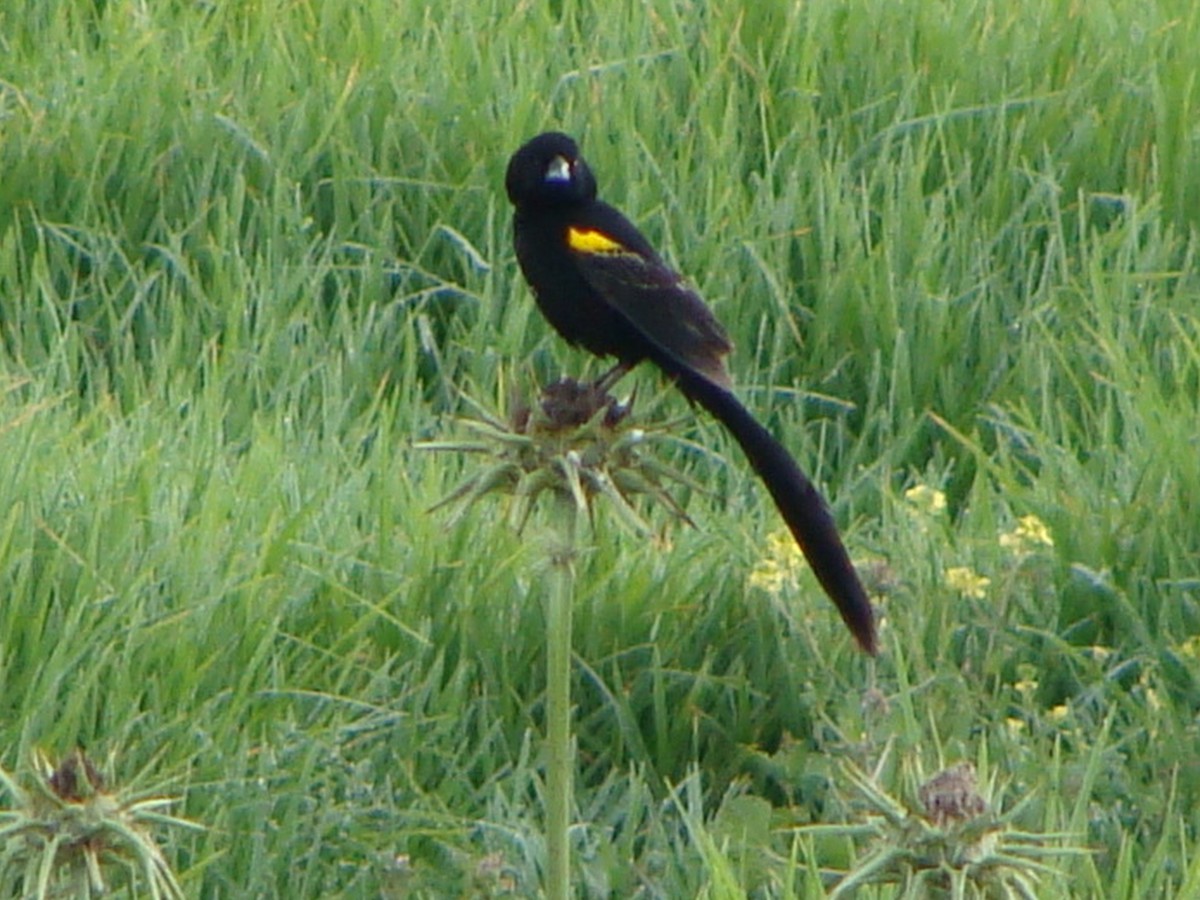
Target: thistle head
<point>574,443</point>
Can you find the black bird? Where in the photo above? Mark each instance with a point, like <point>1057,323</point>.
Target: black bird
<point>604,288</point>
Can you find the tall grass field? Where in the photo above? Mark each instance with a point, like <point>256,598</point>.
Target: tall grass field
<point>256,269</point>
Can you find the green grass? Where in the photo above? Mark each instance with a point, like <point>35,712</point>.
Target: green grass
<point>250,254</point>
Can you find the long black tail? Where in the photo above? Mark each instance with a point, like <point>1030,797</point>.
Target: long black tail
<point>801,504</point>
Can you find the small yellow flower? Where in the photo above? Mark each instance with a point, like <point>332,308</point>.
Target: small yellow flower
<point>1030,533</point>
<point>967,582</point>
<point>1191,647</point>
<point>1146,682</point>
<point>1026,686</point>
<point>1026,682</point>
<point>1058,713</point>
<point>768,575</point>
<point>1015,726</point>
<point>926,499</point>
<point>1152,699</point>
<point>782,546</point>
<point>780,565</point>
<point>1100,653</point>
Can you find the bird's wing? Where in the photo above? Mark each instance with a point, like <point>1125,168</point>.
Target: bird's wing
<point>621,267</point>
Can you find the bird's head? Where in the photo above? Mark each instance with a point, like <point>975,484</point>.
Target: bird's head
<point>548,171</point>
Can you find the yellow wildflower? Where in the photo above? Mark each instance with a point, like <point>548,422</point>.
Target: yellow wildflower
<point>1146,682</point>
<point>1191,647</point>
<point>1027,681</point>
<point>782,546</point>
<point>1026,686</point>
<point>780,565</point>
<point>1152,699</point>
<point>769,575</point>
<point>926,499</point>
<point>1100,653</point>
<point>967,582</point>
<point>1030,533</point>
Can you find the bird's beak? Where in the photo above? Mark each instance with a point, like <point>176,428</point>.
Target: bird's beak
<point>559,169</point>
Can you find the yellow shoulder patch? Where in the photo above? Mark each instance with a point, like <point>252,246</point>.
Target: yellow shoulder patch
<point>588,240</point>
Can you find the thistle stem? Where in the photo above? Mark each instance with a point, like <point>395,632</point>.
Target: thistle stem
<point>560,762</point>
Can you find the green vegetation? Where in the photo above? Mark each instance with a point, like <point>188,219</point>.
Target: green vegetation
<point>252,253</point>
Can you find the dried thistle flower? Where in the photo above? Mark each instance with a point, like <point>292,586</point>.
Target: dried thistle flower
<point>576,442</point>
<point>951,796</point>
<point>61,837</point>
<point>957,843</point>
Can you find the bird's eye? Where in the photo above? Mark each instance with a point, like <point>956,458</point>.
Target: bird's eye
<point>559,169</point>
